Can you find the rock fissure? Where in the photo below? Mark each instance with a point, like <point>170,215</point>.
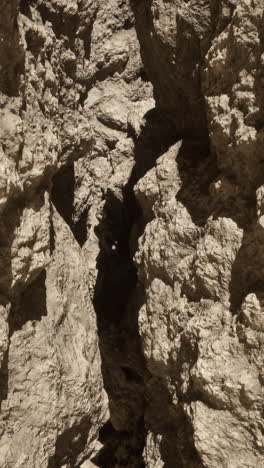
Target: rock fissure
<point>131,234</point>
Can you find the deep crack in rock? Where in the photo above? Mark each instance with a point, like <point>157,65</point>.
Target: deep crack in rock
<point>131,234</point>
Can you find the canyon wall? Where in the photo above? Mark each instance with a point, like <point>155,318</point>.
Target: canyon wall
<point>131,233</point>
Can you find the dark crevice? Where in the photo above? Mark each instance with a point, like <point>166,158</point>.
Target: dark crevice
<point>52,236</point>
<point>128,24</point>
<point>189,456</point>
<point>219,20</point>
<point>35,43</point>
<point>247,268</point>
<point>63,192</point>
<point>4,377</point>
<point>143,75</point>
<point>12,58</point>
<point>87,36</point>
<point>10,80</point>
<point>118,299</point>
<point>31,305</point>
<point>62,25</point>
<point>25,8</point>
<point>197,169</point>
<point>63,198</point>
<point>113,442</point>
<point>131,374</point>
<point>80,228</point>
<point>117,276</point>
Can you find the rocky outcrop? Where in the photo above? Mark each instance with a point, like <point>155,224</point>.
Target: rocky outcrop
<point>131,233</point>
<point>73,93</point>
<point>53,403</point>
<point>200,257</point>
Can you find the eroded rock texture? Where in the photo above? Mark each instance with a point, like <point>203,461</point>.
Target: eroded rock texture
<point>200,256</point>
<point>131,242</point>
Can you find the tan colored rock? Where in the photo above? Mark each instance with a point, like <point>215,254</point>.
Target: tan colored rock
<point>201,318</point>
<point>55,402</point>
<point>131,234</point>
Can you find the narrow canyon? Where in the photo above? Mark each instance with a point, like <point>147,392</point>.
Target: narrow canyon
<point>131,233</point>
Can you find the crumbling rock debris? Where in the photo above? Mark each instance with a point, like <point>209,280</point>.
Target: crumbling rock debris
<point>131,233</point>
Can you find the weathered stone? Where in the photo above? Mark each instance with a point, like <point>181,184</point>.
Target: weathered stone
<point>131,233</point>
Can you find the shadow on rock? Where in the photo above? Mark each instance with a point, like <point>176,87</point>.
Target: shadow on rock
<point>197,169</point>
<point>118,299</point>
<point>27,302</point>
<point>247,269</point>
<point>70,444</point>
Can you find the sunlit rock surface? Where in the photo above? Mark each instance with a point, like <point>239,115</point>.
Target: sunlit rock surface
<point>131,233</point>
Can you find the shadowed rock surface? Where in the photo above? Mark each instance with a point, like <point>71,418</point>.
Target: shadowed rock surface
<point>131,233</point>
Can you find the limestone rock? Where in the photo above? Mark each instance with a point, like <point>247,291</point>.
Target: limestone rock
<point>200,255</point>
<point>55,401</point>
<point>131,233</point>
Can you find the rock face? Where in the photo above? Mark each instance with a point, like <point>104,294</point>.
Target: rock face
<point>200,258</point>
<point>131,233</point>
